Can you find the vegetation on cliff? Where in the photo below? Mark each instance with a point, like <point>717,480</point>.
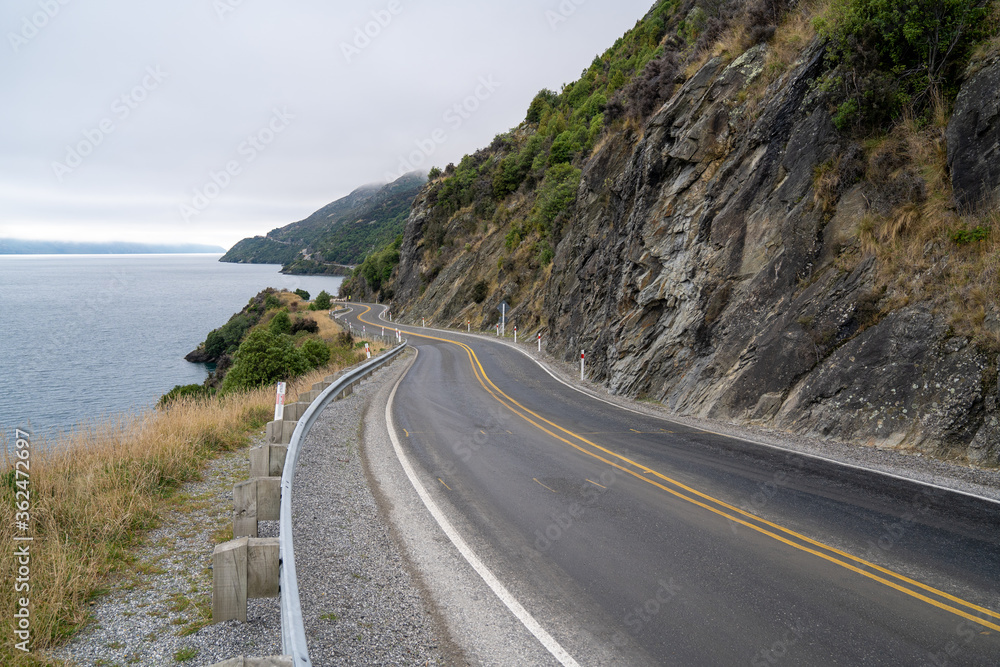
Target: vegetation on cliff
<point>338,235</point>
<point>802,158</point>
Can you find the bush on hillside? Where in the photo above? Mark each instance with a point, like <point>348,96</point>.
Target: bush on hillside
<point>890,57</point>
<point>280,323</point>
<point>264,358</point>
<point>304,295</point>
<point>323,301</point>
<point>304,324</point>
<point>316,352</point>
<point>185,391</point>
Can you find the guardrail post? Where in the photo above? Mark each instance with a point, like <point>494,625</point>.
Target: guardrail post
<point>246,567</point>
<point>280,432</point>
<point>257,499</point>
<point>267,460</point>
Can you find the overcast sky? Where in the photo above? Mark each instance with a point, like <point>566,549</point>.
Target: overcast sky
<point>210,120</point>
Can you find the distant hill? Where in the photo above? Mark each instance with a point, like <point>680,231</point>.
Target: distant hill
<point>26,247</point>
<point>337,236</point>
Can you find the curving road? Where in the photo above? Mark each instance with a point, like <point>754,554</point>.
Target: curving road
<point>630,539</point>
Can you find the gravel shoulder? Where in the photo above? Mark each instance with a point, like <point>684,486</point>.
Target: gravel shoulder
<point>361,603</point>
<point>160,613</point>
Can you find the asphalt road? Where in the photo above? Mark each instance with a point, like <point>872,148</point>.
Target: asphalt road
<point>635,540</point>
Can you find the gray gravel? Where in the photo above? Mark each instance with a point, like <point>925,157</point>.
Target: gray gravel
<point>360,604</point>
<point>143,620</point>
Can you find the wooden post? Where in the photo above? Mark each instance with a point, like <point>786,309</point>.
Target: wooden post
<point>229,581</point>
<point>242,568</point>
<point>267,460</point>
<point>257,499</point>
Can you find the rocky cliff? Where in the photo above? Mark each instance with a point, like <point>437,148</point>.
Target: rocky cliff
<point>735,256</point>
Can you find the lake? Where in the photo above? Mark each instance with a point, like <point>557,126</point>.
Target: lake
<point>87,336</point>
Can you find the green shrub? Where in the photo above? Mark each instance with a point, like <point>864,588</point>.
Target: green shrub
<point>323,301</point>
<point>264,358</point>
<point>316,352</point>
<point>887,56</point>
<point>433,173</point>
<point>964,236</point>
<point>185,391</point>
<point>555,195</point>
<point>304,295</point>
<point>227,337</point>
<point>272,302</point>
<point>280,323</point>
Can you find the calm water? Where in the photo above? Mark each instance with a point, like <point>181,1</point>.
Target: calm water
<point>87,336</point>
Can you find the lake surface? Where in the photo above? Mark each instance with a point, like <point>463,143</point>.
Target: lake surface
<point>88,336</point>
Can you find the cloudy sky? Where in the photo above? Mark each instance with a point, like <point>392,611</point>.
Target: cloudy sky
<point>210,120</point>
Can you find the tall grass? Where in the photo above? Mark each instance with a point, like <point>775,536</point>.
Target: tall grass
<point>95,492</point>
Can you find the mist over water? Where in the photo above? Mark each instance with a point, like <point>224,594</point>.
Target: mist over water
<point>88,336</point>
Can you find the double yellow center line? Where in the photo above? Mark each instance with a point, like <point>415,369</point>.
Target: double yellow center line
<point>955,605</point>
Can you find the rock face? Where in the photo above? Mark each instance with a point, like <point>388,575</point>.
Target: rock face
<point>704,268</point>
<point>974,139</point>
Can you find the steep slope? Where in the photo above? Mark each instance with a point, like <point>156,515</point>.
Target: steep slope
<point>737,239</point>
<point>341,233</point>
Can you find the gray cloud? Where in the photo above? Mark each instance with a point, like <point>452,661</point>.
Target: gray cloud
<point>118,113</point>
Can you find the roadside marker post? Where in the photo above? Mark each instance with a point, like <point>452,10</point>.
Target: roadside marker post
<point>279,402</point>
<point>368,351</point>
<point>539,341</point>
<point>383,331</point>
<point>468,324</point>
<point>515,333</point>
<point>498,329</point>
<point>423,322</point>
<point>581,365</point>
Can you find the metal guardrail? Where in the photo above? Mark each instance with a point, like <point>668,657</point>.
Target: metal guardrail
<point>293,634</point>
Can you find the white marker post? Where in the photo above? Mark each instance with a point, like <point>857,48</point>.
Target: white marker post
<point>539,341</point>
<point>423,322</point>
<point>398,337</point>
<point>498,329</point>
<point>279,402</point>
<point>515,333</point>
<point>581,365</point>
<point>383,331</point>
<point>468,325</point>
<point>390,315</point>
<point>368,351</point>
<point>503,319</point>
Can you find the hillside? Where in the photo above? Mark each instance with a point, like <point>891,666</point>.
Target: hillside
<point>768,213</point>
<point>338,235</point>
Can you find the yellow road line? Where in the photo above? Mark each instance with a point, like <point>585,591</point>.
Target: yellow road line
<point>484,379</point>
<point>595,483</point>
<point>547,487</point>
<point>445,485</point>
<point>406,432</point>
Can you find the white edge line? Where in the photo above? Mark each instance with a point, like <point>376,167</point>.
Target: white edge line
<point>515,607</point>
<point>779,448</point>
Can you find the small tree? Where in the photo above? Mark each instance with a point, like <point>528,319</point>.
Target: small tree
<point>262,359</point>
<point>323,301</point>
<point>280,323</point>
<point>304,295</point>
<point>316,352</point>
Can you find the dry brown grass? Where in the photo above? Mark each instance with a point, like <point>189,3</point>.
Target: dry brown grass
<point>96,491</point>
<point>915,244</point>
